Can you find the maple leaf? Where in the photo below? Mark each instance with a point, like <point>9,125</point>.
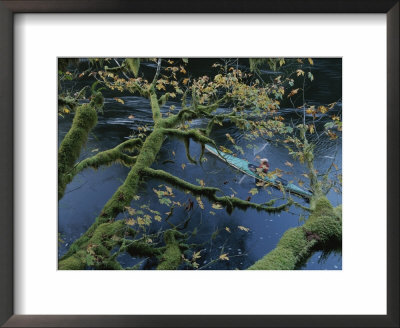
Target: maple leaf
<point>224,257</point>
<point>253,191</point>
<point>217,206</point>
<point>243,228</point>
<point>130,222</point>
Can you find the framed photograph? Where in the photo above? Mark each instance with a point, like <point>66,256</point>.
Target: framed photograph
<point>215,164</point>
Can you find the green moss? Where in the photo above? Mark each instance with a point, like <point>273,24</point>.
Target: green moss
<point>278,259</point>
<point>326,228</point>
<point>172,257</point>
<point>85,119</point>
<point>295,240</point>
<point>322,227</point>
<point>97,243</point>
<point>74,262</point>
<point>338,212</point>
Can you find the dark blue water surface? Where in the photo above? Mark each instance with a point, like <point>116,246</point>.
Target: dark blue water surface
<point>86,195</point>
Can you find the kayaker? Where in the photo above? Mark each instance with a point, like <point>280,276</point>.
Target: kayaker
<point>264,165</point>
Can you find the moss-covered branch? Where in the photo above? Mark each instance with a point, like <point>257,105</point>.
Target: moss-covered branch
<point>106,158</point>
<point>84,120</point>
<point>322,227</point>
<point>94,248</point>
<point>210,192</point>
<point>172,256</point>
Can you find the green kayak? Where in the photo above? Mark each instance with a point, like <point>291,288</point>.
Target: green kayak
<point>243,166</point>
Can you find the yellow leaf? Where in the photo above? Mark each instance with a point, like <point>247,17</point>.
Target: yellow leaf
<point>202,183</point>
<point>185,81</point>
<point>130,222</point>
<point>300,72</point>
<point>95,150</point>
<point>224,257</point>
<point>243,228</point>
<point>293,92</point>
<point>158,218</point>
<point>253,191</point>
<point>131,211</point>
<point>119,100</point>
<point>196,255</point>
<point>287,163</point>
<point>131,117</point>
<point>310,61</point>
<point>311,126</point>
<point>66,110</point>
<point>217,206</point>
<point>227,229</point>
<point>200,202</point>
<point>322,109</point>
<point>173,153</point>
<point>212,213</point>
<point>183,166</point>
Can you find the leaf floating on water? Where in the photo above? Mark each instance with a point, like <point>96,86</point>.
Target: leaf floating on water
<point>183,166</point>
<point>119,100</point>
<point>217,206</point>
<point>200,202</point>
<point>244,228</point>
<point>287,163</point>
<point>130,222</point>
<point>299,72</point>
<point>253,191</point>
<point>95,150</point>
<point>310,61</point>
<point>157,218</point>
<point>196,255</point>
<point>131,117</point>
<point>227,229</point>
<point>224,257</point>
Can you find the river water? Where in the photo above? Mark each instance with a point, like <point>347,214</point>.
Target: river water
<point>215,234</point>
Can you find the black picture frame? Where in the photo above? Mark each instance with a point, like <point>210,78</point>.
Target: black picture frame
<point>10,7</point>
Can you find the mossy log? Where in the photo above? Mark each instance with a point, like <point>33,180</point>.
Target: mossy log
<point>323,226</point>
<point>95,246</point>
<point>172,257</point>
<point>84,120</point>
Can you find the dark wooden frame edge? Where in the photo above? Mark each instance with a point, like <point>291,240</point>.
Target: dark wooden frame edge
<point>10,7</point>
